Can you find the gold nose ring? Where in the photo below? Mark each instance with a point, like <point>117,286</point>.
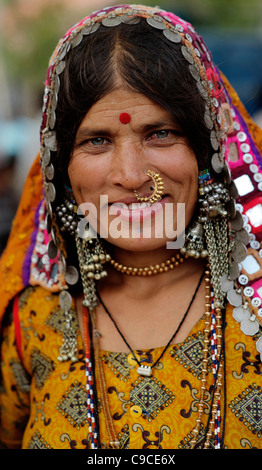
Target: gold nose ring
<point>158,189</point>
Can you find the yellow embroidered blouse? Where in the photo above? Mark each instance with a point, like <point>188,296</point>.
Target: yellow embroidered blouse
<point>43,401</point>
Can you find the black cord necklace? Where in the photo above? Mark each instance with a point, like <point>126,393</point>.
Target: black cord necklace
<point>147,370</point>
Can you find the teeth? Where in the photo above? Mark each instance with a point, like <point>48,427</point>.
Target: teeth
<point>136,206</point>
<point>133,206</point>
<point>121,205</point>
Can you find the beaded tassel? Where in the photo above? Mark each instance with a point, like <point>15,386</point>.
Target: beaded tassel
<point>204,371</point>
<point>216,344</point>
<point>93,435</point>
<point>215,362</point>
<point>212,328</point>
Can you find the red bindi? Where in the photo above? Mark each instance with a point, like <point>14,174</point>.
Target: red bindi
<point>125,118</point>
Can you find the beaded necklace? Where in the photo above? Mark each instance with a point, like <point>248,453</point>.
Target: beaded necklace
<point>213,338</point>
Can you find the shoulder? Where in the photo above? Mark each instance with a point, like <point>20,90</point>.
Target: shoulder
<point>39,324</point>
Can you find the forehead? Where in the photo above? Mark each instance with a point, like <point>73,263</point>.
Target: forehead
<point>122,101</point>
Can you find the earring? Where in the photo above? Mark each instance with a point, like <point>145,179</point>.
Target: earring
<point>194,243</point>
<point>67,214</point>
<point>91,258</point>
<point>158,189</point>
<point>213,197</point>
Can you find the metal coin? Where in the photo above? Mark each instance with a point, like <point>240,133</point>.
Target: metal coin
<point>92,28</point>
<point>50,141</point>
<point>213,139</point>
<point>233,190</point>
<point>242,236</point>
<point>226,284</point>
<point>65,300</point>
<point>240,314</point>
<point>56,82</point>
<point>52,250</point>
<point>231,208</point>
<point>217,163</point>
<point>227,173</point>
<point>234,298</point>
<point>64,50</point>
<point>195,73</point>
<point>71,275</point>
<point>52,118</point>
<point>237,222</point>
<point>209,123</point>
<point>173,36</point>
<point>50,171</point>
<point>233,270</point>
<point>158,24</point>
<point>48,223</point>
<point>203,92</point>
<point>127,19</point>
<point>187,54</point>
<point>54,100</point>
<point>76,40</point>
<point>259,345</point>
<point>239,252</point>
<point>249,327</point>
<point>50,192</point>
<point>60,67</point>
<point>113,21</point>
<point>46,156</point>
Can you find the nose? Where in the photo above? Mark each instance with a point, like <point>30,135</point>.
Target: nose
<point>128,167</point>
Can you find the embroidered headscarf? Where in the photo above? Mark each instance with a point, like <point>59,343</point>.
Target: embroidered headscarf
<point>36,252</point>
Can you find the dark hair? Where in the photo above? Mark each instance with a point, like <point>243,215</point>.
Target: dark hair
<point>146,62</point>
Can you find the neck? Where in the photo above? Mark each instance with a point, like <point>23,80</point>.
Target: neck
<point>150,284</point>
<point>138,259</point>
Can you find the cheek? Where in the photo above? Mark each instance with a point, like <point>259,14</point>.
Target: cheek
<point>87,182</point>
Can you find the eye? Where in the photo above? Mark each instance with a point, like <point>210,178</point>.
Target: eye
<point>161,134</point>
<point>97,141</point>
<point>165,136</point>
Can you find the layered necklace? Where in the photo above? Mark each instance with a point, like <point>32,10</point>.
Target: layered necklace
<point>213,339</point>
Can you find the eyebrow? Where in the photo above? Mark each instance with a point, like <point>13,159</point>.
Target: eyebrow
<point>85,132</point>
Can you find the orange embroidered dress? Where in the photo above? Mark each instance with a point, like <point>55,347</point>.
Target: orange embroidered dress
<point>44,400</point>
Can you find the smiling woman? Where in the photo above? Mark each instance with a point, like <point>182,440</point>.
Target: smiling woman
<point>122,338</point>
<point>120,156</point>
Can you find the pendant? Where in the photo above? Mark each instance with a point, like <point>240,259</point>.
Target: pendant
<point>144,370</point>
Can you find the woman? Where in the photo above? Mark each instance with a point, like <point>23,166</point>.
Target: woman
<point>115,336</point>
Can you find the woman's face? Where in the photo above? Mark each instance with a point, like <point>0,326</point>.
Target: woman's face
<point>109,159</point>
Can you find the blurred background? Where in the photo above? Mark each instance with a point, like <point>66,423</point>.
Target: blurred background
<point>29,31</point>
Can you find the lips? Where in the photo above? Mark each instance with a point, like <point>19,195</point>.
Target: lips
<point>131,210</point>
<point>128,201</point>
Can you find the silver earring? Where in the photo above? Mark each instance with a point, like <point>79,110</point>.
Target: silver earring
<point>91,258</point>
<point>194,243</point>
<point>67,215</point>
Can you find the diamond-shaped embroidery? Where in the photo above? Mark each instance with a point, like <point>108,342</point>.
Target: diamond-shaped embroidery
<point>247,407</point>
<point>117,362</point>
<point>42,367</point>
<point>38,442</point>
<point>190,353</point>
<point>56,320</point>
<point>151,395</point>
<point>73,405</point>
